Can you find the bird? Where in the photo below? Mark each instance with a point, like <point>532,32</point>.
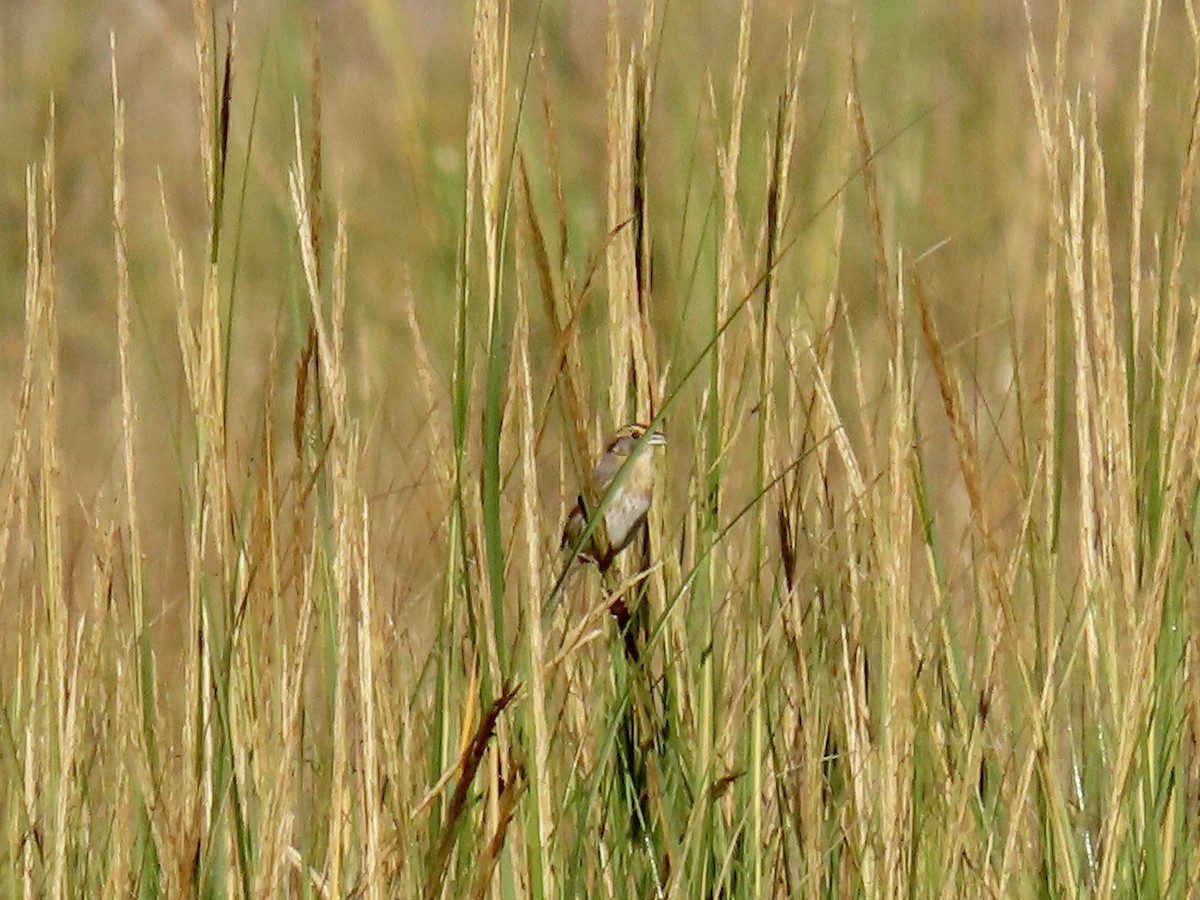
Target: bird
<point>628,460</point>
<point>630,502</point>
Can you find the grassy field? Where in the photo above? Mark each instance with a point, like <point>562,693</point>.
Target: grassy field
<point>315,317</point>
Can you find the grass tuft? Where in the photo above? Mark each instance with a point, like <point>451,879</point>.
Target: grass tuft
<point>297,407</point>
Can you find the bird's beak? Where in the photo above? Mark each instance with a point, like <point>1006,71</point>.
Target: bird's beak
<point>657,439</point>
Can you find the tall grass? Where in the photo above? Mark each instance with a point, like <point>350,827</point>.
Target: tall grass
<point>913,610</point>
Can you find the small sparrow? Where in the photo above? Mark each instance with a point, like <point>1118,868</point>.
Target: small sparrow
<point>628,506</point>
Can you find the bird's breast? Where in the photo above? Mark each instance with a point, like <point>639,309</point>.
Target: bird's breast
<point>629,506</point>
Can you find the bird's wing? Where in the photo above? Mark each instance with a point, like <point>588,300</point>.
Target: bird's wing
<point>605,471</point>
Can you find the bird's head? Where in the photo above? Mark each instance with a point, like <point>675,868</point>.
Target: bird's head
<point>628,437</point>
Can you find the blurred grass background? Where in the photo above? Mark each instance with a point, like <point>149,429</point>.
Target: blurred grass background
<point>826,601</point>
<point>949,96</point>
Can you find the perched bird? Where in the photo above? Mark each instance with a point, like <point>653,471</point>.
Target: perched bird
<point>629,461</point>
<point>629,504</point>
